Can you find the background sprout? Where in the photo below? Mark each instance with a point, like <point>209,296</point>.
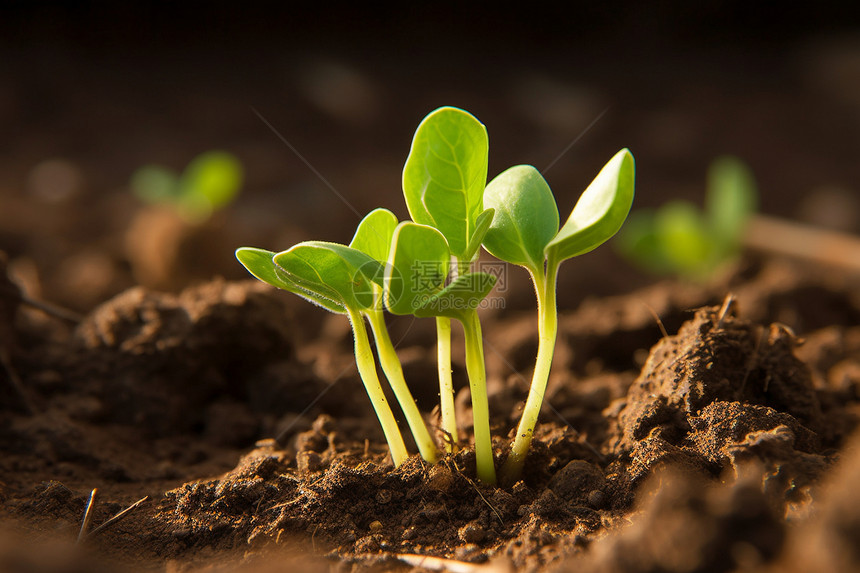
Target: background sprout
<point>415,283</point>
<point>373,237</point>
<point>525,232</point>
<point>681,239</point>
<point>210,182</point>
<point>443,184</point>
<point>339,279</point>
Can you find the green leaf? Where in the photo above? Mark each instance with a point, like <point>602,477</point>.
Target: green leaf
<point>445,175</point>
<point>526,218</point>
<point>482,225</point>
<point>638,241</point>
<point>261,264</point>
<point>464,294</point>
<point>374,233</point>
<point>333,271</point>
<point>730,201</point>
<point>214,177</point>
<point>683,239</point>
<point>600,211</point>
<point>417,267</point>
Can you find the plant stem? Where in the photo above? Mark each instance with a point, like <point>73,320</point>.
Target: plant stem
<point>486,469</point>
<point>394,372</point>
<point>367,371</point>
<point>446,384</point>
<point>545,287</point>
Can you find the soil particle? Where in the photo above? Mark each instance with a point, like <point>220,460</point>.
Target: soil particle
<point>212,341</point>
<point>578,482</point>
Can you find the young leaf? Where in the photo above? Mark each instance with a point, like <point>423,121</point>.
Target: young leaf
<point>730,201</point>
<point>682,239</point>
<point>417,267</point>
<point>464,294</point>
<point>445,175</point>
<point>526,218</point>
<point>333,271</point>
<point>600,211</point>
<point>213,177</point>
<point>261,264</point>
<point>482,225</point>
<point>374,233</point>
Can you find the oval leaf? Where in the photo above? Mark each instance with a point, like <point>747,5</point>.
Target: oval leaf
<point>214,176</point>
<point>464,294</point>
<point>526,218</point>
<point>445,175</point>
<point>332,271</point>
<point>373,235</point>
<point>600,211</point>
<point>261,264</point>
<point>417,267</point>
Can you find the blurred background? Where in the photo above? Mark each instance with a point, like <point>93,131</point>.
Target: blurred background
<point>320,100</point>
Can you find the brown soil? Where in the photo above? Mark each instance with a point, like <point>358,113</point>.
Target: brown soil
<point>724,445</point>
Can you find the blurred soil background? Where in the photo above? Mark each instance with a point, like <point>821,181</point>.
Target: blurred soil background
<point>320,102</point>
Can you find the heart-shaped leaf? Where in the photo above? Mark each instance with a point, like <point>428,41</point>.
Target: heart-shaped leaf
<point>600,211</point>
<point>526,218</point>
<point>445,175</point>
<point>417,267</point>
<point>464,294</point>
<point>374,233</point>
<point>261,264</point>
<point>333,271</point>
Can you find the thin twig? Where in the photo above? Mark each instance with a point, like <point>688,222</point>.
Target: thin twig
<point>53,310</point>
<point>119,515</point>
<point>441,564</point>
<point>88,515</point>
<point>804,241</point>
<point>657,319</point>
<point>728,304</point>
<point>478,491</point>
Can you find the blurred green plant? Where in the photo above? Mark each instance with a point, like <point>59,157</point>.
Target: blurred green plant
<point>681,239</point>
<point>210,182</point>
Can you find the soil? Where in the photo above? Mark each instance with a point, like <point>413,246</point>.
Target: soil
<point>721,444</point>
<point>164,420</point>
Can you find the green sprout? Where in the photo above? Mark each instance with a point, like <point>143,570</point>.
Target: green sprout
<point>423,268</point>
<point>443,184</point>
<point>525,232</point>
<point>209,182</point>
<point>373,237</point>
<point>416,283</point>
<point>340,279</point>
<point>681,239</point>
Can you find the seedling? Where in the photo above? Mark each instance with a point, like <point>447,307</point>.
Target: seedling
<point>681,239</point>
<point>415,283</point>
<point>339,279</point>
<point>525,232</point>
<point>443,184</point>
<point>373,237</point>
<point>209,182</point>
<point>426,272</point>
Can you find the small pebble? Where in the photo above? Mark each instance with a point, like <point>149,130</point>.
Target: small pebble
<point>375,526</point>
<point>472,533</point>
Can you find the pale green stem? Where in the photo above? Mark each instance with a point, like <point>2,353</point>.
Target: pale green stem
<point>486,469</point>
<point>446,384</point>
<point>394,372</point>
<point>367,371</point>
<point>545,287</point>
